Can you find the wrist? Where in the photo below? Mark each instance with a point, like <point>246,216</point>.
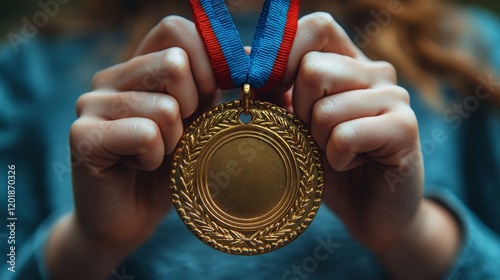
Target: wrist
<point>427,248</point>
<point>72,254</point>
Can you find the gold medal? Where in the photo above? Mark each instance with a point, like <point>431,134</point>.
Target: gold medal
<point>247,186</point>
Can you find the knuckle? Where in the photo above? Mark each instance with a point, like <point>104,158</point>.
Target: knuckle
<point>407,123</point>
<point>311,69</point>
<point>85,136</point>
<point>77,131</point>
<point>175,62</point>
<point>399,93</point>
<point>172,23</point>
<point>341,138</point>
<point>168,109</point>
<point>385,70</point>
<point>322,114</point>
<point>83,102</point>
<point>322,24</point>
<point>323,21</point>
<point>146,131</point>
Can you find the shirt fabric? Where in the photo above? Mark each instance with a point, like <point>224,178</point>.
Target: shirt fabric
<point>40,84</point>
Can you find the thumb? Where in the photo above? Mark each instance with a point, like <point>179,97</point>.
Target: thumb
<point>317,32</point>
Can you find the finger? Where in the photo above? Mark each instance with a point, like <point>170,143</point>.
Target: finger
<point>380,138</point>
<point>332,110</point>
<point>317,32</point>
<point>158,107</point>
<point>117,140</point>
<point>164,71</point>
<point>323,74</point>
<point>175,31</point>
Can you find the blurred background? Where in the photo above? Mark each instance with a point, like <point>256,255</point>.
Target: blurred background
<point>12,11</point>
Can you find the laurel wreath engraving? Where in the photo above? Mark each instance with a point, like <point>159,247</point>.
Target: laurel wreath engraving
<point>274,236</point>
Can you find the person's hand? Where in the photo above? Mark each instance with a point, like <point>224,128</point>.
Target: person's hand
<point>126,129</point>
<point>128,125</point>
<point>368,135</point>
<point>364,126</point>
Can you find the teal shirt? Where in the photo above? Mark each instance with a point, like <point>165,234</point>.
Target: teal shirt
<point>39,86</point>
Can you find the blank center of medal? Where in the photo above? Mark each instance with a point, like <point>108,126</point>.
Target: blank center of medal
<point>246,177</point>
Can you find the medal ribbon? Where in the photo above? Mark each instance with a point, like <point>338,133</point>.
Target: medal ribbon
<point>265,67</point>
